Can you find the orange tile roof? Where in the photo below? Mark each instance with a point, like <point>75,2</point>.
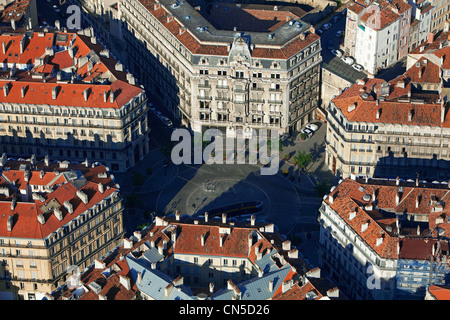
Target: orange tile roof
<point>348,197</point>
<point>392,109</point>
<point>424,71</point>
<point>389,12</point>
<point>194,46</point>
<point>25,214</point>
<point>14,10</point>
<point>440,292</point>
<point>68,94</point>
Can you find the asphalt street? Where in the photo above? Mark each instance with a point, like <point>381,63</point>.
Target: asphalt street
<point>330,61</point>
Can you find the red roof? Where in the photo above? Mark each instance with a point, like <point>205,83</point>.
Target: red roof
<point>68,94</point>
<point>194,46</point>
<point>25,214</point>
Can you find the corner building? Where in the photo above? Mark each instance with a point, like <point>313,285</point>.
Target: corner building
<point>210,74</point>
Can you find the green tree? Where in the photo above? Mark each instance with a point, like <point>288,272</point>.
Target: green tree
<point>302,159</point>
<point>322,188</point>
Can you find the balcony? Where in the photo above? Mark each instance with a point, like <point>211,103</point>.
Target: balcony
<point>204,98</point>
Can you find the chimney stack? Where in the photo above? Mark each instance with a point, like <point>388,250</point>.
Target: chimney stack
<point>86,94</point>
<point>206,216</point>
<point>224,218</point>
<point>252,220</point>
<point>6,89</point>
<point>101,188</point>
<point>177,215</point>
<point>203,240</point>
<point>54,93</point>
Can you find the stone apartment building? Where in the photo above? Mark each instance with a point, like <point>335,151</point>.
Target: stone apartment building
<point>385,239</point>
<point>420,24</point>
<point>57,218</point>
<point>355,11</point>
<point>64,95</point>
<point>229,66</point>
<point>383,34</point>
<point>203,258</point>
<point>18,13</point>
<point>395,128</point>
<point>440,14</point>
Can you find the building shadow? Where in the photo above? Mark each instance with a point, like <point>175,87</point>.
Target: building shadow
<point>411,167</point>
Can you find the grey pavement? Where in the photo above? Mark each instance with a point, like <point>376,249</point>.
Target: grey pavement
<point>193,189</point>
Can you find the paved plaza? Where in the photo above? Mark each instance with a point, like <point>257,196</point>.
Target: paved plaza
<point>289,201</point>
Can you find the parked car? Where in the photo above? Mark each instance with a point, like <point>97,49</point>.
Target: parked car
<point>336,18</point>
<point>307,131</point>
<point>348,60</point>
<point>326,26</point>
<point>358,67</point>
<point>167,121</point>
<point>319,31</point>
<point>313,127</point>
<point>344,12</point>
<point>339,34</point>
<point>338,53</point>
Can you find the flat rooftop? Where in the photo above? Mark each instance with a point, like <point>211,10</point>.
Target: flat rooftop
<point>263,27</point>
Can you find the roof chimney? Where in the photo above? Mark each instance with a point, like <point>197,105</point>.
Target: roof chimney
<point>86,94</point>
<point>224,218</point>
<point>252,220</point>
<point>177,215</point>
<point>202,238</point>
<point>54,93</point>
<point>139,278</point>
<point>137,235</point>
<point>378,113</point>
<point>68,206</point>
<point>41,219</point>
<point>430,37</point>
<point>270,285</point>
<point>211,287</point>
<point>6,89</point>
<point>221,241</point>
<point>58,214</point>
<point>286,245</point>
<point>206,216</point>
<point>168,289</point>
<point>111,96</point>
<point>101,188</point>
<point>10,223</point>
<point>83,196</point>
<point>293,254</point>
<point>125,281</point>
